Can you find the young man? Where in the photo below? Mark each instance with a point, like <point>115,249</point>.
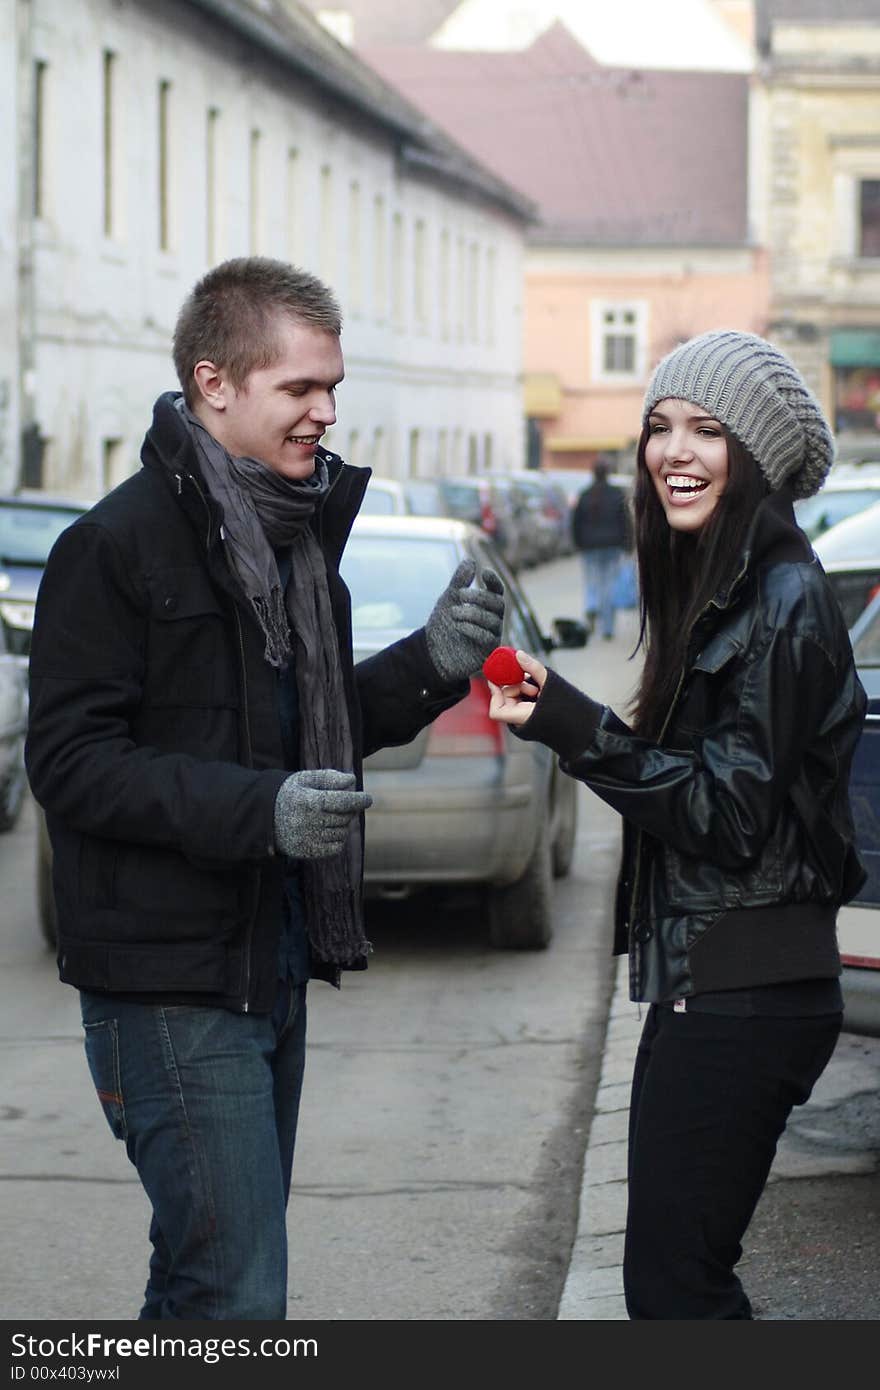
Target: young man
<point>196,738</point>
<point>601,532</point>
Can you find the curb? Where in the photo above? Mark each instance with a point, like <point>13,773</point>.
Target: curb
<point>593,1288</point>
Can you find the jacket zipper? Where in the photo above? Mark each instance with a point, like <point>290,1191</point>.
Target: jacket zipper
<point>249,936</point>
<point>637,851</point>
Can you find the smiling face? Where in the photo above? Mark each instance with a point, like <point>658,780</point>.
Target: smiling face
<point>686,456</point>
<point>280,412</point>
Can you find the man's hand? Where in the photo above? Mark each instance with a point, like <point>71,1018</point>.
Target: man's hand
<point>465,624</point>
<point>313,812</point>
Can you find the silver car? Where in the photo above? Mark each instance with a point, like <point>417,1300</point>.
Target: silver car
<point>858,923</point>
<point>466,802</point>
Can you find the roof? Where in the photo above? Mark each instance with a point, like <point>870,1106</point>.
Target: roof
<point>389,21</point>
<point>290,35</point>
<point>768,12</point>
<point>610,155</point>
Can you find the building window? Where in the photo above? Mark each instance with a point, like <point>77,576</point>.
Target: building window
<point>618,341</point>
<point>444,283</point>
<point>491,273</point>
<point>39,190</point>
<point>420,286</point>
<point>488,453</point>
<point>378,452</point>
<point>473,291</point>
<point>442,452</point>
<point>164,166</point>
<point>212,188</point>
<point>255,227</point>
<point>473,463</point>
<point>293,224</point>
<point>108,138</point>
<point>380,258</point>
<point>461,288</point>
<point>869,218</point>
<point>114,465</point>
<point>354,448</point>
<point>398,270</point>
<point>326,251</point>
<point>413,460</point>
<point>355,248</point>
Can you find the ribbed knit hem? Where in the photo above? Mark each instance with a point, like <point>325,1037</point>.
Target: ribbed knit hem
<point>564,718</point>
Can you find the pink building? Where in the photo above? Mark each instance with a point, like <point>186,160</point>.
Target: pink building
<point>641,179</point>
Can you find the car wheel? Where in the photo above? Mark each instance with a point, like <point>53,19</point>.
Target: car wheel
<point>521,913</point>
<point>565,823</point>
<point>12,793</point>
<point>45,894</point>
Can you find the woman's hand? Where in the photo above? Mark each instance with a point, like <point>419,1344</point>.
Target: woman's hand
<point>513,704</point>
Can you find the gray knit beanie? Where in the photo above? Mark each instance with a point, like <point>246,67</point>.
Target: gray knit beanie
<point>758,393</point>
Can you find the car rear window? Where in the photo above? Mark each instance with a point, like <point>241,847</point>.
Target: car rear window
<point>378,501</point>
<point>27,534</point>
<point>394,580</point>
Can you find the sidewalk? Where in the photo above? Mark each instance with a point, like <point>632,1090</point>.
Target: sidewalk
<point>594,1284</point>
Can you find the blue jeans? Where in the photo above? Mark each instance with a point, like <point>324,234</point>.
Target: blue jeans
<point>206,1102</point>
<point>600,573</point>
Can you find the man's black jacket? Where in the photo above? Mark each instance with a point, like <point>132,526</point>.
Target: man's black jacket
<point>154,741</point>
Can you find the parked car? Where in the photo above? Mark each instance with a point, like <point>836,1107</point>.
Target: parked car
<point>850,556</point>
<point>465,803</point>
<point>385,497</point>
<point>858,923</point>
<point>487,504</point>
<point>30,523</point>
<point>13,726</point>
<point>547,512</point>
<point>849,488</point>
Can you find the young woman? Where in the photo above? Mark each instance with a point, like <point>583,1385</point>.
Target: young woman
<point>732,781</point>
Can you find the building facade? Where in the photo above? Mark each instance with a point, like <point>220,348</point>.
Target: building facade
<point>816,176</point>
<point>157,139</point>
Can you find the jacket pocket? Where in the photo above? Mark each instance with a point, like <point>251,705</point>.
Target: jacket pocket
<point>191,662</point>
<point>102,1055</point>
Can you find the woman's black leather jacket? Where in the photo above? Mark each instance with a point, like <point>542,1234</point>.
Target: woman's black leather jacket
<point>737,847</point>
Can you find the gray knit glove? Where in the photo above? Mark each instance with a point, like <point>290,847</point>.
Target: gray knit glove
<point>313,811</point>
<point>465,624</point>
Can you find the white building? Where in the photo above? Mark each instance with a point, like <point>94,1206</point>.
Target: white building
<point>168,135</point>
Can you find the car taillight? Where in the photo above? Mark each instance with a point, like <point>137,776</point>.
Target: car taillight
<point>466,730</point>
<point>489,521</point>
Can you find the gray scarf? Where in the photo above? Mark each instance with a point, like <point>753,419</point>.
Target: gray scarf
<point>262,510</point>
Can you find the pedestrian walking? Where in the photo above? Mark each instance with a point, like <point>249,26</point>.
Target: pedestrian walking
<point>602,534</point>
<point>197,733</point>
<point>732,782</point>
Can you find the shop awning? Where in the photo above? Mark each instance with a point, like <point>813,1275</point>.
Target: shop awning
<point>542,395</point>
<point>585,443</point>
<point>855,347</point>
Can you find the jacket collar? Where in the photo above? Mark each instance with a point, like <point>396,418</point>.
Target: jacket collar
<point>774,537</point>
<point>168,448</point>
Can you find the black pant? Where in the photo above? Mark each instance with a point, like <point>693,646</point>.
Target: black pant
<point>711,1096</point>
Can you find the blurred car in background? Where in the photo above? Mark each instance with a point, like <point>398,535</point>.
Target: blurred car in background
<point>13,726</point>
<point>466,802</point>
<point>385,497</point>
<point>850,556</point>
<point>485,503</point>
<point>547,513</point>
<point>858,922</point>
<point>30,523</point>
<point>848,489</point>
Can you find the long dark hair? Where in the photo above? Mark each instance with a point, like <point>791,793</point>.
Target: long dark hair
<point>680,572</point>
